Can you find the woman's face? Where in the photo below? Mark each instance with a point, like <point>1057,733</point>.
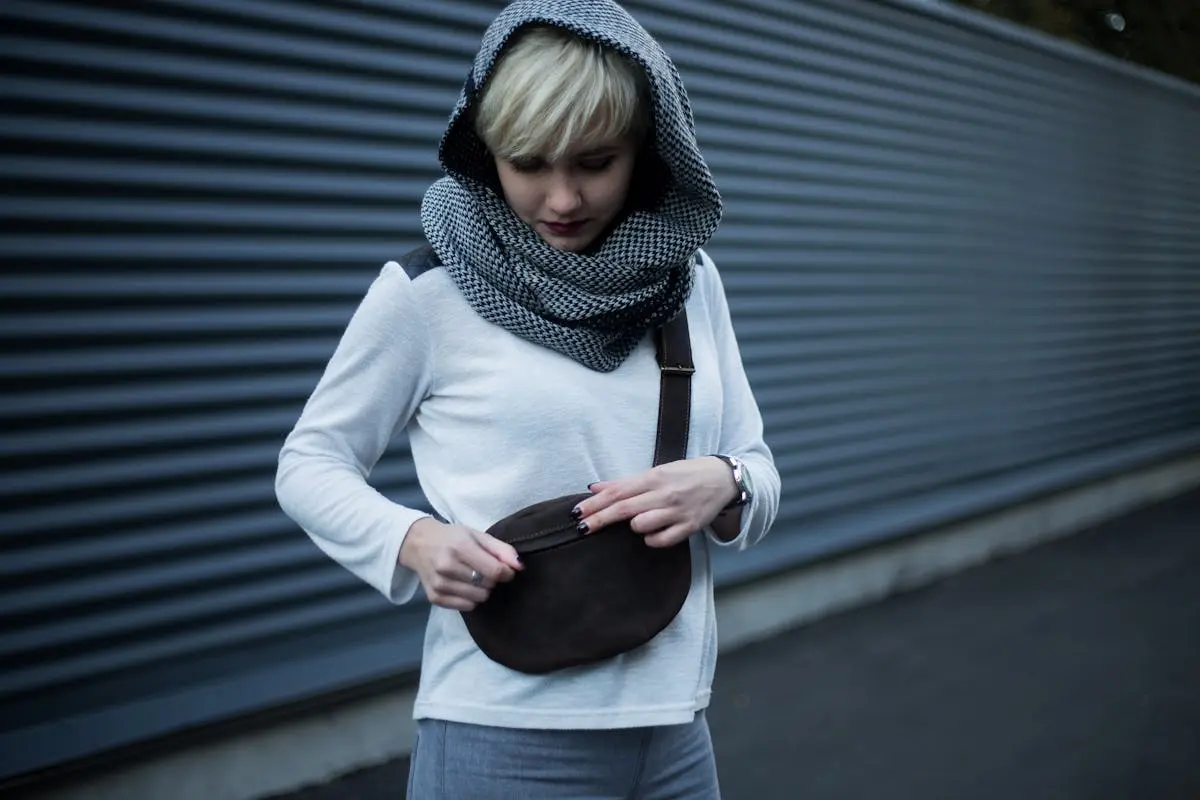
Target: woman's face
<point>570,202</point>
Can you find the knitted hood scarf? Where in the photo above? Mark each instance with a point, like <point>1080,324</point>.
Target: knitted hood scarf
<point>593,307</point>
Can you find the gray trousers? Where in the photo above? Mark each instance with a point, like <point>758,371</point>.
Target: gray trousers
<point>453,761</point>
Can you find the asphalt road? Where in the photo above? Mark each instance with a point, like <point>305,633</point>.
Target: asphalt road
<point>1071,672</point>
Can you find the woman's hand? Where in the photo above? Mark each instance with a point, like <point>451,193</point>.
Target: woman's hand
<point>666,504</point>
<point>445,556</point>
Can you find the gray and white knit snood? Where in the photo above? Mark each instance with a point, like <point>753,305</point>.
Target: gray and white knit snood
<point>593,307</point>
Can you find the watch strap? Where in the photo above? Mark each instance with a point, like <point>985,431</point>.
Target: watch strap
<point>739,479</point>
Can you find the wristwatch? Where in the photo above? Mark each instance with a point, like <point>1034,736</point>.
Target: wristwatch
<point>741,479</point>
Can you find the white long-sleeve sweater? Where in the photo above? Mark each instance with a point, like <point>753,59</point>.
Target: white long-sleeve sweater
<point>496,423</point>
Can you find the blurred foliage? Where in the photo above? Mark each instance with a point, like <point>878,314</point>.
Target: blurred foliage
<point>1161,34</point>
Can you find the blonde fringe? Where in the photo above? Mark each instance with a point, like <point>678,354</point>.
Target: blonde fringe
<point>553,92</point>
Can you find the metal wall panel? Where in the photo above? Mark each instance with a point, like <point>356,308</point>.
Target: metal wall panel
<point>197,195</point>
<point>964,261</point>
<point>964,266</point>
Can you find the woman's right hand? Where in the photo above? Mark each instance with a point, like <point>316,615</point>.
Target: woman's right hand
<point>444,557</point>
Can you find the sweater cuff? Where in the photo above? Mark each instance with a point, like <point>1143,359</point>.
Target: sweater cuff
<point>743,532</point>
<point>399,584</point>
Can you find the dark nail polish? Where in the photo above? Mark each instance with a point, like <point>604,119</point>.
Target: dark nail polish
<point>576,513</point>
<point>582,527</point>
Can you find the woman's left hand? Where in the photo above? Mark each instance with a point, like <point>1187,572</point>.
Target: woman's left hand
<point>666,504</point>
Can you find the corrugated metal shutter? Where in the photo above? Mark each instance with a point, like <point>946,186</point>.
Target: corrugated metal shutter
<point>964,270</point>
<point>198,194</point>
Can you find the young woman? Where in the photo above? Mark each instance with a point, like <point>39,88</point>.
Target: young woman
<point>519,360</point>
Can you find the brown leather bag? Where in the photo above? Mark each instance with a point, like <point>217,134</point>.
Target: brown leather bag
<point>584,598</point>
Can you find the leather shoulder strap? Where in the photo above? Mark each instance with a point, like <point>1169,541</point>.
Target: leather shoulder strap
<point>419,261</point>
<point>674,345</point>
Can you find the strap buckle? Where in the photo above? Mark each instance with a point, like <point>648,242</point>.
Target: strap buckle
<point>677,369</point>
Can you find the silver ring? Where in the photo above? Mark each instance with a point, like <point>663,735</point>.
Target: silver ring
<point>476,578</point>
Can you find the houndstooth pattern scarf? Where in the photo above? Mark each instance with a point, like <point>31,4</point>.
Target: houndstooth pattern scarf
<point>593,307</point>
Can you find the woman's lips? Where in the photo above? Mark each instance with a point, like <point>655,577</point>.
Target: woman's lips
<point>565,228</point>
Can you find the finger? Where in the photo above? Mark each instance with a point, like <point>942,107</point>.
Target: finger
<point>503,552</point>
<point>452,602</point>
<point>600,500</point>
<point>653,521</point>
<point>618,512</point>
<point>467,575</point>
<point>455,564</point>
<point>478,558</point>
<point>605,493</point>
<point>669,537</point>
<point>457,581</point>
<point>442,589</point>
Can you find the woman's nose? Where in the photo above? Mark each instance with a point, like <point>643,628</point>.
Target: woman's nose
<point>564,197</point>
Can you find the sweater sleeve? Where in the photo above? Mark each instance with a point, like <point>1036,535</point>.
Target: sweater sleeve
<point>374,382</point>
<point>741,421</point>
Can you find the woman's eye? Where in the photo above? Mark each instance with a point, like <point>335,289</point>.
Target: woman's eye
<point>596,164</point>
<point>526,164</point>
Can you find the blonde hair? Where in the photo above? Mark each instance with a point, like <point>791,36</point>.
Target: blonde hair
<point>552,90</point>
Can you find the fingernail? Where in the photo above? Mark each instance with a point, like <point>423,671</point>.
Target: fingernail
<point>576,513</point>
<point>590,485</point>
<point>582,527</point>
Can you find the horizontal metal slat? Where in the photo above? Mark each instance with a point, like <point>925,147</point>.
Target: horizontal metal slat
<point>167,286</point>
<point>272,556</point>
<point>360,23</point>
<point>149,176</point>
<point>888,467</point>
<point>97,628</point>
<point>210,425</point>
<point>778,255</point>
<point>193,320</point>
<point>48,55</point>
<point>823,383</point>
<point>977,398</point>
<point>197,143</point>
<point>180,394</point>
<point>122,544</point>
<point>296,249</point>
<point>228,634</point>
<point>815,454</point>
<point>840,384</point>
<point>161,32</point>
<point>153,505</point>
<point>902,32</point>
<point>97,360</point>
<point>845,491</point>
<point>123,469</point>
<point>118,546</point>
<point>344,219</point>
<point>1070,345</point>
<point>872,53</point>
<point>186,108</point>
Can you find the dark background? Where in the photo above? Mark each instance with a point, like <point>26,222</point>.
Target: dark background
<point>1162,34</point>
